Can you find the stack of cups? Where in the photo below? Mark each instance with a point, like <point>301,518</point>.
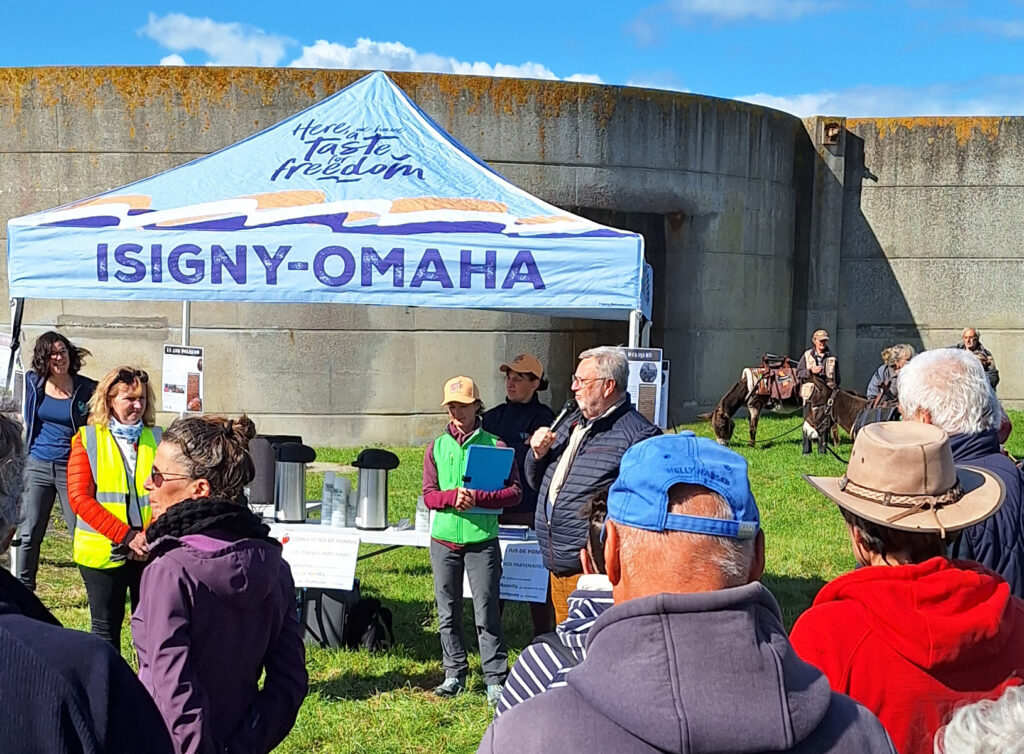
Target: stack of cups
<point>327,499</point>
<point>422,516</point>
<point>342,488</point>
<point>353,506</point>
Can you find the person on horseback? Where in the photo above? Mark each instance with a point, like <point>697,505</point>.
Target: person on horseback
<point>882,386</point>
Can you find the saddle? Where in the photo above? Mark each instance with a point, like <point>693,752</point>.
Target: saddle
<point>777,377</point>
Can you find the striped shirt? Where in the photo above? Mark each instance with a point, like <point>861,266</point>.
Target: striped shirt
<point>538,667</point>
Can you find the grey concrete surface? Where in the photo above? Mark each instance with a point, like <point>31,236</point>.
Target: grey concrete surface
<point>758,233</point>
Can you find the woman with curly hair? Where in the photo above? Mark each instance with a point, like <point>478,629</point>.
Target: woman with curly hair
<point>218,601</point>
<point>56,406</point>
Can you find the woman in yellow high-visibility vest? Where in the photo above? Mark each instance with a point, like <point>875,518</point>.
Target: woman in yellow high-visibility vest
<point>110,459</point>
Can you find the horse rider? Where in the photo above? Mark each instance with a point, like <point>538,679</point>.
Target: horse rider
<point>817,361</point>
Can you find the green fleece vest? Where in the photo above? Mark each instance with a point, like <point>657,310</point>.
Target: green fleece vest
<point>449,524</point>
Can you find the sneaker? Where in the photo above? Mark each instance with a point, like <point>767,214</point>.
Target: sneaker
<point>494,693</point>
<point>452,686</point>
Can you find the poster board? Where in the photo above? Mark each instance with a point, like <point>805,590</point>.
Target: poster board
<point>645,382</point>
<point>318,559</point>
<point>182,383</point>
<point>523,575</point>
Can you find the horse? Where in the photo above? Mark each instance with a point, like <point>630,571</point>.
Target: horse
<point>831,408</point>
<point>739,395</point>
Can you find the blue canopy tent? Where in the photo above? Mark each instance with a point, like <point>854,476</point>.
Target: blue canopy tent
<point>359,199</point>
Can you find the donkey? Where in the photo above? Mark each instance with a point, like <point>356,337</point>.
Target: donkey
<point>831,408</point>
<point>740,395</point>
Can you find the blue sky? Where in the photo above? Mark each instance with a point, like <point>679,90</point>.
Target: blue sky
<point>900,57</point>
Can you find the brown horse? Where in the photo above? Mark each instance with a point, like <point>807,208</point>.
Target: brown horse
<point>832,407</point>
<point>739,395</point>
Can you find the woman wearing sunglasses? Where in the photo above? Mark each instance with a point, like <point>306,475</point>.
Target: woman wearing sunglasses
<point>218,600</point>
<point>111,458</point>
<point>56,406</point>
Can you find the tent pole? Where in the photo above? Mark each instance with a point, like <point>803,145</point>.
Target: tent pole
<point>636,319</point>
<point>186,322</point>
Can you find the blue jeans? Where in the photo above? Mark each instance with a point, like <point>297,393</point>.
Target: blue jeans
<point>44,480</point>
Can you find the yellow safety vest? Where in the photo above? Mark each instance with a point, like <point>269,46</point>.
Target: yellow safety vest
<point>113,492</point>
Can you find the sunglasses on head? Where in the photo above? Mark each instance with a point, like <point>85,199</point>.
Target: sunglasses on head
<point>129,376</point>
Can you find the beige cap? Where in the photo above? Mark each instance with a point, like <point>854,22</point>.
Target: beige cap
<point>820,335</point>
<point>460,390</point>
<point>901,475</point>
<point>524,363</point>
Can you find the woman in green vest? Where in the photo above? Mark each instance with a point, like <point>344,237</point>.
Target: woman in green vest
<point>465,541</point>
<point>111,458</point>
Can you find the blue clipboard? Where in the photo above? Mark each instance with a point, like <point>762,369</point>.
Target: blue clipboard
<point>487,470</point>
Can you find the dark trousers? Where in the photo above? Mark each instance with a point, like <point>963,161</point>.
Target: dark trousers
<point>107,589</point>
<point>44,480</point>
<point>482,565</point>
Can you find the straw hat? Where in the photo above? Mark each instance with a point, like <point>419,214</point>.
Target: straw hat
<point>901,475</point>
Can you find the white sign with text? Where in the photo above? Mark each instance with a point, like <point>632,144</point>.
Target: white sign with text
<point>320,559</point>
<point>523,575</point>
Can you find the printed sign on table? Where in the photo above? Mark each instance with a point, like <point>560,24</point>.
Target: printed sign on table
<point>523,575</point>
<point>318,559</point>
<point>183,379</point>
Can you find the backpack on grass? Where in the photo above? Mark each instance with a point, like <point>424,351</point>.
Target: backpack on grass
<point>369,626</point>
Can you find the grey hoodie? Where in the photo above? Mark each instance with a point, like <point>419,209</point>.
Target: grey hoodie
<point>704,672</point>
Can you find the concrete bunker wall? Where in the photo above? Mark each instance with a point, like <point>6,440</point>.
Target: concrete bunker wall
<point>710,182</point>
<point>931,240</point>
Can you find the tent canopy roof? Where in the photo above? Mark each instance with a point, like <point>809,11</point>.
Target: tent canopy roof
<point>361,198</point>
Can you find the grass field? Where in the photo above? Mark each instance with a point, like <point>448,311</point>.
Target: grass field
<point>381,703</point>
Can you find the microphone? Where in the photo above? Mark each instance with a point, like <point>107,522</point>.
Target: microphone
<point>570,406</point>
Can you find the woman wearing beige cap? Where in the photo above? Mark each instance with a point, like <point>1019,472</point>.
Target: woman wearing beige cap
<point>463,541</point>
<point>515,421</point>
<point>912,635</point>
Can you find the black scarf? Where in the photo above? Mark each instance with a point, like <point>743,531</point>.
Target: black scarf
<point>203,514</point>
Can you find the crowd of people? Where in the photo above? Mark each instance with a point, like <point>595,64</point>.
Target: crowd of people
<point>657,634</point>
<point>159,518</point>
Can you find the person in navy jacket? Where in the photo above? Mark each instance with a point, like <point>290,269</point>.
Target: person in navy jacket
<point>56,406</point>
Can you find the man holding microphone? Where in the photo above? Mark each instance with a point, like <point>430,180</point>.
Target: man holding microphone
<point>578,457</point>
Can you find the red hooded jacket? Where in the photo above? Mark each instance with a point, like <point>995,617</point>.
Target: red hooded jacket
<point>912,643</point>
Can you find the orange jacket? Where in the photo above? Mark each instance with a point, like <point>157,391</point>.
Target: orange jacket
<point>82,495</point>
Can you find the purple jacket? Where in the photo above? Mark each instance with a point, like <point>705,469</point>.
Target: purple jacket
<point>213,615</point>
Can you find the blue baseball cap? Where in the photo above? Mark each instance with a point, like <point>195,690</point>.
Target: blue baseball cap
<point>639,497</point>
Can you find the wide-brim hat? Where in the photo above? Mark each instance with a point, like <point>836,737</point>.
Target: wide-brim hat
<point>901,475</point>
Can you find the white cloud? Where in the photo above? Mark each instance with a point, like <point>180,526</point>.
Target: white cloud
<point>224,43</point>
<point>737,10</point>
<point>994,95</point>
<point>172,59</point>
<point>1008,29</point>
<point>395,56</point>
<point>585,78</point>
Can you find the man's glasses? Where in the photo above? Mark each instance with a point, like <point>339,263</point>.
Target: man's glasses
<point>129,376</point>
<point>577,380</point>
<point>159,477</point>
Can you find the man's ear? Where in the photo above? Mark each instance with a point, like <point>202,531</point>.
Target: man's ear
<point>587,562</point>
<point>757,564</point>
<point>612,566</point>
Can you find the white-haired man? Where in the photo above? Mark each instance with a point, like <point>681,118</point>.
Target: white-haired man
<point>581,458</point>
<point>970,341</point>
<point>62,691</point>
<point>948,387</point>
<point>693,656</point>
